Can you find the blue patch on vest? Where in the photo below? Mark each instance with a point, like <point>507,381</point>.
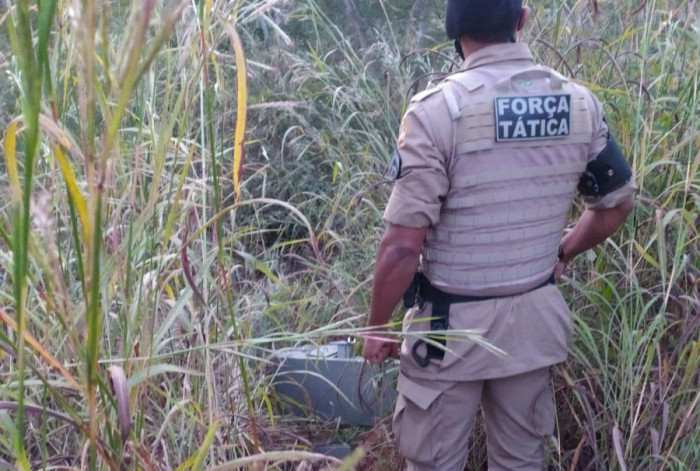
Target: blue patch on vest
<point>532,117</point>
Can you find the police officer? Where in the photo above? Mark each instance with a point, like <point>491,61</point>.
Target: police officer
<point>486,166</point>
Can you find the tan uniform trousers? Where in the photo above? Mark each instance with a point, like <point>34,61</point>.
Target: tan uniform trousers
<point>519,415</point>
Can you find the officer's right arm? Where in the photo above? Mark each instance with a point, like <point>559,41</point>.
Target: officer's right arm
<point>421,158</point>
<point>419,168</point>
<point>607,188</point>
<point>397,262</point>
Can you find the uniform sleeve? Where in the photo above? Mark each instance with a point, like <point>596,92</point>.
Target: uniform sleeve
<point>422,181</point>
<point>599,126</point>
<point>601,136</point>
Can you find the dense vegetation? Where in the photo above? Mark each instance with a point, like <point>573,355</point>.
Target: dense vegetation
<point>165,224</point>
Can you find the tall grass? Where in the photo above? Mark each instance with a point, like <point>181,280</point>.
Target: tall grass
<point>632,382</point>
<point>192,185</point>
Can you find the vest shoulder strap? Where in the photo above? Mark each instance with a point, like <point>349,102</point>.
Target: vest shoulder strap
<point>418,97</point>
<point>467,81</point>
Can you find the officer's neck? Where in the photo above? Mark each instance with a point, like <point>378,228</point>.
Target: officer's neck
<point>469,46</point>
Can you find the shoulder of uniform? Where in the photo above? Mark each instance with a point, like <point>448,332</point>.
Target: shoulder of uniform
<point>421,96</point>
<point>590,97</point>
<point>585,91</point>
<point>450,87</point>
<point>468,80</point>
<point>465,79</point>
<point>556,74</point>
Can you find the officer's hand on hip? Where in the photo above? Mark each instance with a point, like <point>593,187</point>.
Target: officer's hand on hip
<point>377,349</point>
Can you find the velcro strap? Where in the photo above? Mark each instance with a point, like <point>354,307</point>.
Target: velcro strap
<point>494,255</point>
<point>452,103</point>
<point>505,216</point>
<point>523,173</point>
<point>493,275</point>
<point>508,195</point>
<point>507,234</point>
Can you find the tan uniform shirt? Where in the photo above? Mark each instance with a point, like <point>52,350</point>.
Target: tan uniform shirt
<point>531,330</point>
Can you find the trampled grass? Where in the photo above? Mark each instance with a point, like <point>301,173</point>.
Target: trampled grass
<point>165,223</point>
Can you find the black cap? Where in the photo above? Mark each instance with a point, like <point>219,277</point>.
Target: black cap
<point>483,20</point>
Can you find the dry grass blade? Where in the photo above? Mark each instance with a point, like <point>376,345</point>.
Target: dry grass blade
<point>11,160</point>
<point>201,455</point>
<point>242,109</point>
<point>186,268</point>
<point>39,411</point>
<point>73,189</point>
<point>353,460</point>
<point>48,358</point>
<point>59,134</point>
<point>577,453</point>
<point>618,448</point>
<point>279,104</point>
<point>118,383</point>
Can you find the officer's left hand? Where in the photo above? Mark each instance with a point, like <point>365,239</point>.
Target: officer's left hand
<point>377,349</point>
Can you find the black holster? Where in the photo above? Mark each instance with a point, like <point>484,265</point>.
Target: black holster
<point>412,296</point>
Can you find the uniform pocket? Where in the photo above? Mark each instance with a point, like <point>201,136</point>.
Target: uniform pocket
<point>398,417</point>
<point>558,310</point>
<point>543,413</point>
<point>460,347</point>
<point>414,429</point>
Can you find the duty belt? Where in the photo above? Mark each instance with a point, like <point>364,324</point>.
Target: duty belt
<point>420,291</point>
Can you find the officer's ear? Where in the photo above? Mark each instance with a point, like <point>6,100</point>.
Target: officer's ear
<point>523,18</point>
